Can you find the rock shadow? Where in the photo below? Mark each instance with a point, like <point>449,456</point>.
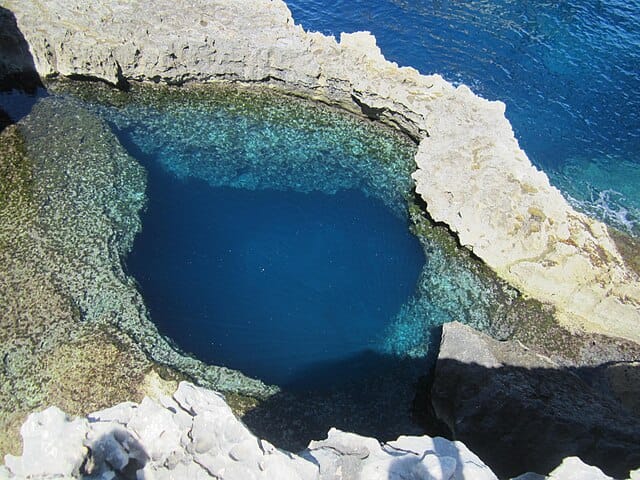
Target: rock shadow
<point>376,399</point>
<point>519,419</point>
<point>411,467</point>
<point>17,68</point>
<point>443,461</point>
<point>17,72</point>
<point>114,452</point>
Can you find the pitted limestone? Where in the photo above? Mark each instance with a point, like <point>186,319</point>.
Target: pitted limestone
<point>162,439</point>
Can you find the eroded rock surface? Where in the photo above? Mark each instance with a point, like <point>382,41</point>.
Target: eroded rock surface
<point>470,170</point>
<point>519,411</point>
<point>16,64</point>
<point>194,434</point>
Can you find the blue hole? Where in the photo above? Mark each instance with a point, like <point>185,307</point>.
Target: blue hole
<point>272,283</point>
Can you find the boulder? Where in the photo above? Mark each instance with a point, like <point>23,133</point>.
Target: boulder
<point>521,412</point>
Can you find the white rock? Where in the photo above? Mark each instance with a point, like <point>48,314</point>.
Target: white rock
<point>155,438</point>
<point>468,464</point>
<point>52,445</point>
<point>156,430</point>
<point>123,412</point>
<point>572,468</point>
<point>354,456</point>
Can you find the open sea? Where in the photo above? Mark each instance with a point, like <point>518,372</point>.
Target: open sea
<point>568,71</point>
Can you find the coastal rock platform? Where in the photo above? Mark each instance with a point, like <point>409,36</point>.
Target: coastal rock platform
<point>521,411</point>
<point>469,172</point>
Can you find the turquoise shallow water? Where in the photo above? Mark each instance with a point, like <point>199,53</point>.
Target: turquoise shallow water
<point>568,71</point>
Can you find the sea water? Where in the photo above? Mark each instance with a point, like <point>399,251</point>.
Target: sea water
<point>276,237</point>
<point>271,282</point>
<point>568,71</point>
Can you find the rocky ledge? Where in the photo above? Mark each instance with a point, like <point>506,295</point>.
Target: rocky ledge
<point>470,170</point>
<point>193,434</point>
<point>521,411</point>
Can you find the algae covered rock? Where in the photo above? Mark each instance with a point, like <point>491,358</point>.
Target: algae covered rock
<point>74,328</point>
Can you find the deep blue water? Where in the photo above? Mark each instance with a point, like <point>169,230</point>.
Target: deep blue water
<point>276,239</point>
<point>271,282</point>
<point>568,71</point>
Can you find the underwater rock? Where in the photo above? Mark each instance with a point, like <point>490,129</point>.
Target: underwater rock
<point>74,331</point>
<point>194,434</point>
<point>520,411</point>
<point>470,170</point>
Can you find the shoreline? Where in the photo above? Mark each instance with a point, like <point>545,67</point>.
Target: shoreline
<point>474,185</point>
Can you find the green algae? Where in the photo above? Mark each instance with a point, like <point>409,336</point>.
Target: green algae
<point>629,248</point>
<point>190,126</point>
<point>16,181</point>
<point>38,317</point>
<point>49,357</point>
<point>73,328</point>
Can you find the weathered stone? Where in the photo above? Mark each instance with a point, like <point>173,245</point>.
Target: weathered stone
<point>519,411</point>
<point>16,64</point>
<point>53,446</point>
<point>470,170</point>
<point>142,440</point>
<point>408,457</point>
<point>572,468</point>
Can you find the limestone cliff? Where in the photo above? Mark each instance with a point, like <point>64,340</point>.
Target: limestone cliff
<point>520,411</point>
<point>470,169</point>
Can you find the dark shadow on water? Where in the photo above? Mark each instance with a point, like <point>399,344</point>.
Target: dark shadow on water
<point>520,419</point>
<point>17,72</point>
<point>376,399</point>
